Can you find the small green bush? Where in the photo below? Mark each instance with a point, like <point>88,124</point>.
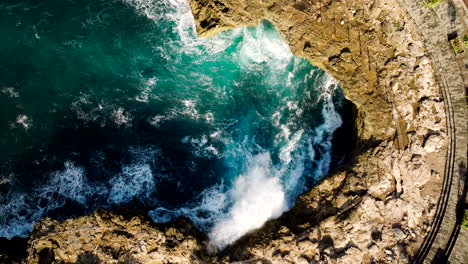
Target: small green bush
<point>432,3</point>
<point>465,220</point>
<point>457,45</point>
<point>465,40</point>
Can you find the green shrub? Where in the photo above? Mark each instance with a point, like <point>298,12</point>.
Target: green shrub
<point>457,45</point>
<point>465,220</point>
<point>432,3</point>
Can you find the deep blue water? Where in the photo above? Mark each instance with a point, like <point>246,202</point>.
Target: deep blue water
<point>119,104</point>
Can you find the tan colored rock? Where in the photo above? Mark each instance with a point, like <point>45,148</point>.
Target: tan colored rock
<point>111,238</point>
<point>384,187</point>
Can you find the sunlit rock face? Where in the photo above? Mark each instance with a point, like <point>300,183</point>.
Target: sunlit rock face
<point>361,47</point>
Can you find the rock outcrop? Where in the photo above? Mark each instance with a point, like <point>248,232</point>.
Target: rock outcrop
<point>109,237</point>
<point>367,45</point>
<point>378,208</point>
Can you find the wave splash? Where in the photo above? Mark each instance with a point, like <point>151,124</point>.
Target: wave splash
<point>266,116</point>
<point>71,186</point>
<point>264,190</point>
<point>257,196</point>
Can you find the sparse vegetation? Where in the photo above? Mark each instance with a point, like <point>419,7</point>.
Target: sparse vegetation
<point>432,3</point>
<point>465,220</point>
<point>465,40</point>
<point>398,26</point>
<point>457,45</point>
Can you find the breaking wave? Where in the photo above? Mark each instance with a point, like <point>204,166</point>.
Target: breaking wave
<point>227,131</point>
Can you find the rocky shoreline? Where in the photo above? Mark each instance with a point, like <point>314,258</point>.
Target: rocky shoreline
<point>377,208</point>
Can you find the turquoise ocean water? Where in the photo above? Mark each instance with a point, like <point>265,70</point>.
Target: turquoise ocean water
<point>117,103</point>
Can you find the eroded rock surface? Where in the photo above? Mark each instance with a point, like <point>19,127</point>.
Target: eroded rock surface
<point>368,45</point>
<point>106,237</point>
<point>377,208</point>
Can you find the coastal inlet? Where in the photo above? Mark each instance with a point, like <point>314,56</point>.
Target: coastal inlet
<point>118,104</point>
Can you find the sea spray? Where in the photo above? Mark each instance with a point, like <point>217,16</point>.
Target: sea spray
<point>258,196</point>
<point>141,113</point>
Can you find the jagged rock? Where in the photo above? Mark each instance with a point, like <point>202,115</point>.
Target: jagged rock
<point>384,187</point>
<point>433,143</point>
<point>106,237</point>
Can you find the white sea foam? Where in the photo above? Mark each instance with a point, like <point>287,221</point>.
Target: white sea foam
<point>18,217</point>
<point>201,147</point>
<point>259,192</point>
<point>286,151</point>
<point>120,117</point>
<point>178,12</point>
<point>190,109</point>
<point>332,122</point>
<point>257,195</point>
<point>262,47</point>
<point>209,207</point>
<point>135,180</point>
<point>22,210</point>
<point>87,111</point>
<point>145,94</point>
<point>11,92</point>
<point>70,183</point>
<point>265,191</point>
<point>157,120</point>
<point>24,121</point>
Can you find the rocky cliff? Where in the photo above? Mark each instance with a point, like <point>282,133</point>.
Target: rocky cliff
<point>377,208</point>
<point>368,46</point>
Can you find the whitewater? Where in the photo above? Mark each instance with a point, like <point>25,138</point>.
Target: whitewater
<point>227,131</point>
